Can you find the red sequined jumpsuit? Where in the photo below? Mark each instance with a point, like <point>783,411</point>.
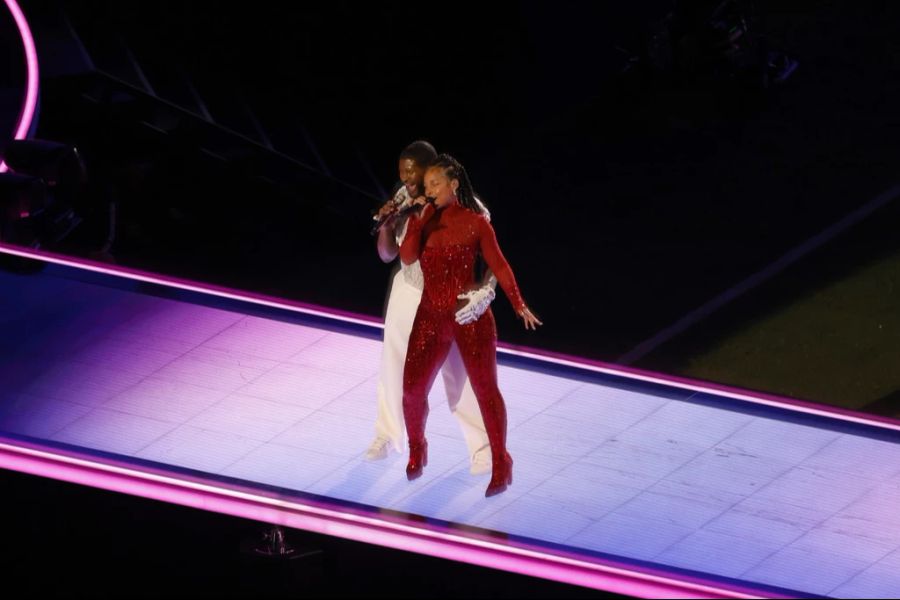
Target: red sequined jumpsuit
<point>446,244</point>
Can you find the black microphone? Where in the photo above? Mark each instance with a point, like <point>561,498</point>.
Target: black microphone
<point>398,213</point>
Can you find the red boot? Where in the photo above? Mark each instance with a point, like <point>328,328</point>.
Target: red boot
<point>501,477</point>
<point>418,458</point>
<point>493,411</point>
<point>415,412</point>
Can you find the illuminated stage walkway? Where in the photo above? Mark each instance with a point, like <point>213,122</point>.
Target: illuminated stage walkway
<point>659,482</point>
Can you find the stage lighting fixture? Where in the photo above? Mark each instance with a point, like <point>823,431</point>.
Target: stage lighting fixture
<point>59,165</point>
<point>43,192</point>
<point>23,201</point>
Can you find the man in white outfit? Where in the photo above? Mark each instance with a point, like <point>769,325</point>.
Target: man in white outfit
<point>405,294</point>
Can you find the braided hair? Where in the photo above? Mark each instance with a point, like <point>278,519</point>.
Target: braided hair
<point>454,170</point>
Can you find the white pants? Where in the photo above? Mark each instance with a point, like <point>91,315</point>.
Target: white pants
<point>398,322</point>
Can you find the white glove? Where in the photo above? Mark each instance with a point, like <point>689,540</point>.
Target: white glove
<point>479,300</point>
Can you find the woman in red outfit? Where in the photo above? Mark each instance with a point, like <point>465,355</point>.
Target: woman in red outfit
<point>446,238</point>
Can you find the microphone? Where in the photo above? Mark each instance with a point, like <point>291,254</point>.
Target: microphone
<point>400,199</point>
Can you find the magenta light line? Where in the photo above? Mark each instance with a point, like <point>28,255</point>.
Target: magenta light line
<point>510,349</point>
<point>308,516</point>
<point>755,397</point>
<point>26,115</point>
<point>205,288</point>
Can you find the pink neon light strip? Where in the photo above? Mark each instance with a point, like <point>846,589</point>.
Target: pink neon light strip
<point>210,289</point>
<point>360,527</point>
<point>524,351</point>
<point>706,387</point>
<point>26,115</point>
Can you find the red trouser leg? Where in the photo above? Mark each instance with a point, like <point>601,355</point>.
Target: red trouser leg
<point>429,344</point>
<point>477,344</point>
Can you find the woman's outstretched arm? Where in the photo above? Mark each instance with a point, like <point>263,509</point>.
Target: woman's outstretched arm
<point>493,256</point>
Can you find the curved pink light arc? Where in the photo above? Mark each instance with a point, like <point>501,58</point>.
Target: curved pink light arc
<point>29,106</point>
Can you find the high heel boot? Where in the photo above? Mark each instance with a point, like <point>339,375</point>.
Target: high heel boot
<point>501,477</point>
<point>418,458</point>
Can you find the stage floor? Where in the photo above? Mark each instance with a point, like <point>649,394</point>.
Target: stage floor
<point>673,481</point>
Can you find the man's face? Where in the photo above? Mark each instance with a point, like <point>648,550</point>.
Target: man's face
<point>411,174</point>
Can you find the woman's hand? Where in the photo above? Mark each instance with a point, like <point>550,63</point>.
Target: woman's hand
<point>428,211</point>
<point>530,321</point>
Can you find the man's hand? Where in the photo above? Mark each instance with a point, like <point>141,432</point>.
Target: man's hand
<point>478,301</point>
<point>387,208</point>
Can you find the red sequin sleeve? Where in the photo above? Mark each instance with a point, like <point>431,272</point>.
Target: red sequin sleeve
<point>412,242</point>
<point>490,250</point>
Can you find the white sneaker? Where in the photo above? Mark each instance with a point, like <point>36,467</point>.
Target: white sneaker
<point>378,449</point>
<point>481,461</point>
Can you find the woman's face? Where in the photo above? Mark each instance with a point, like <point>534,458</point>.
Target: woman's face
<point>411,174</point>
<point>440,187</point>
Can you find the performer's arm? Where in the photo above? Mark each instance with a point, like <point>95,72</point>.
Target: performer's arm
<point>412,243</point>
<point>387,241</point>
<point>490,250</point>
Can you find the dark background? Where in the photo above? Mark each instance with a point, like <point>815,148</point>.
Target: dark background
<point>624,195</point>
